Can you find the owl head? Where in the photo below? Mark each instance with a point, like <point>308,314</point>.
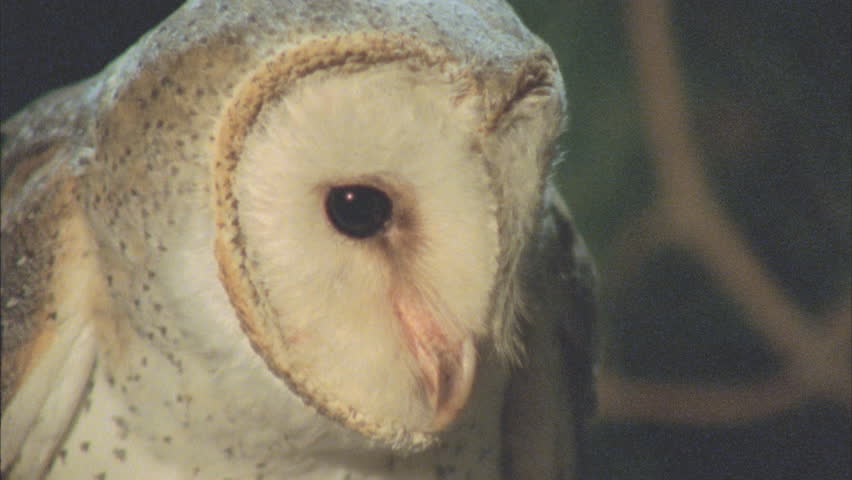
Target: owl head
<point>375,176</point>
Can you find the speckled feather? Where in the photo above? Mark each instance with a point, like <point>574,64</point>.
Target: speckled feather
<point>111,182</point>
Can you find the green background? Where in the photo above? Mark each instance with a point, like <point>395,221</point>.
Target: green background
<point>768,88</point>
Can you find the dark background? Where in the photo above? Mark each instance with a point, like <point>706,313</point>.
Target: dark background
<point>48,44</point>
<point>768,85</point>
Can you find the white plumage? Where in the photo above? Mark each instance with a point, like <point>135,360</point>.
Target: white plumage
<point>296,240</point>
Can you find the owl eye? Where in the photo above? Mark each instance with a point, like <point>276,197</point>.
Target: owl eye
<point>358,211</point>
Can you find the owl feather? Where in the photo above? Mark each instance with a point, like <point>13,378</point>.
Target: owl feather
<point>297,239</point>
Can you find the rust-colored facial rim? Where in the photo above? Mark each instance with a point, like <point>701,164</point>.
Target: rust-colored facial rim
<point>345,54</point>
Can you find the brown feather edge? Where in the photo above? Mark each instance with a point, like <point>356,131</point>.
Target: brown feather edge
<point>346,54</point>
<point>536,79</point>
<point>30,238</point>
<point>53,254</point>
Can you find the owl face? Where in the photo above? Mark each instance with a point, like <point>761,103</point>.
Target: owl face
<point>376,263</point>
<point>358,236</point>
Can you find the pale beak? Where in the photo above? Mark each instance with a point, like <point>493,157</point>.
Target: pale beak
<point>448,386</point>
<point>447,363</point>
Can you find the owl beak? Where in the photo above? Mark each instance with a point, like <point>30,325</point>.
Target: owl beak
<point>449,382</point>
<point>447,363</point>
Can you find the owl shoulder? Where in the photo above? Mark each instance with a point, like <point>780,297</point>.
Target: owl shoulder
<point>52,286</point>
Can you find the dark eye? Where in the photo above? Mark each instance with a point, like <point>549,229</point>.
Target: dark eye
<point>358,211</point>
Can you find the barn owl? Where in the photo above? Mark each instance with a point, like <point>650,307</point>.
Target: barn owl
<point>297,239</point>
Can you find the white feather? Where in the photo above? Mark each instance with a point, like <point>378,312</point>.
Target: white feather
<point>402,131</point>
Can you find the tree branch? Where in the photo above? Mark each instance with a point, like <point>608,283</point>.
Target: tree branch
<point>631,399</point>
<point>817,360</point>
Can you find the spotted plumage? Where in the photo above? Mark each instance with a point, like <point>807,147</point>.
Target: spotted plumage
<point>303,240</point>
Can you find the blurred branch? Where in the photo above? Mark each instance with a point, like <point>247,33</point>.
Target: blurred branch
<point>816,353</point>
<point>629,399</point>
